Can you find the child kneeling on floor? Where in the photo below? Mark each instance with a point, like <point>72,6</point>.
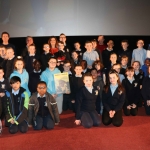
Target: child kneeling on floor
<point>16,106</point>
<point>87,102</point>
<point>43,109</point>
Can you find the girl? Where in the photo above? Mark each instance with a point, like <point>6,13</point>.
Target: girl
<point>21,73</point>
<point>34,77</point>
<point>117,67</point>
<point>113,100</point>
<point>87,97</point>
<point>132,88</point>
<point>100,70</point>
<point>146,92</point>
<point>48,77</point>
<point>53,43</point>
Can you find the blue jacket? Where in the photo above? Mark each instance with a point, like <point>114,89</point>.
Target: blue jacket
<point>48,77</point>
<point>24,76</point>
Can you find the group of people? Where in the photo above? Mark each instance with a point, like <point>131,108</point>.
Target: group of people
<point>102,82</point>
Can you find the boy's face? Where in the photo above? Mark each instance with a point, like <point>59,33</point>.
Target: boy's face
<point>46,48</point>
<point>94,74</point>
<point>31,49</point>
<point>88,81</point>
<point>77,46</point>
<point>124,61</point>
<point>110,44</point>
<point>136,66</point>
<point>74,55</point>
<point>140,44</point>
<point>37,66</point>
<point>67,67</point>
<point>97,66</point>
<point>19,65</point>
<point>41,89</point>
<point>88,46</point>
<point>62,38</point>
<point>78,70</point>
<point>10,53</point>
<point>117,68</point>
<point>113,58</point>
<point>94,45</point>
<point>61,46</point>
<point>124,45</point>
<point>1,74</point>
<point>16,86</point>
<point>130,73</point>
<point>52,63</point>
<point>147,62</point>
<point>5,37</point>
<point>2,51</point>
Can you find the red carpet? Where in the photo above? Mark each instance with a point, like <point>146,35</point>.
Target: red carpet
<point>134,134</point>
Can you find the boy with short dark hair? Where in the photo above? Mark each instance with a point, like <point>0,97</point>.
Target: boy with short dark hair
<point>43,109</point>
<point>124,64</point>
<point>3,55</point>
<point>16,106</point>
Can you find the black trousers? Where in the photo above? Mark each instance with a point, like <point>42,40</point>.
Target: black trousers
<point>117,120</point>
<point>147,108</point>
<point>67,102</point>
<point>22,127</point>
<point>132,111</point>
<point>89,119</point>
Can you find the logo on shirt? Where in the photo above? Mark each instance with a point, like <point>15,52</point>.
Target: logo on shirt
<point>96,92</point>
<point>45,104</point>
<point>3,86</point>
<point>120,93</point>
<point>135,84</point>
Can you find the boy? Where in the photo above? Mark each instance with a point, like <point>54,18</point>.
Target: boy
<point>124,64</point>
<point>48,77</point>
<point>3,55</point>
<point>139,54</point>
<point>125,51</point>
<point>45,56</point>
<point>145,66</point>
<point>30,58</point>
<point>67,96</point>
<point>90,56</point>
<point>78,49</point>
<point>77,83</point>
<point>94,46</point>
<point>43,109</point>
<point>98,83</point>
<point>8,64</point>
<point>106,53</point>
<point>16,106</point>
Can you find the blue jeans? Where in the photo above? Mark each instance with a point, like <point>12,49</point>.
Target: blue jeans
<point>41,122</point>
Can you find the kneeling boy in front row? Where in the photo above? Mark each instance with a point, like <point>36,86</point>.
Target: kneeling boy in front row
<point>43,109</point>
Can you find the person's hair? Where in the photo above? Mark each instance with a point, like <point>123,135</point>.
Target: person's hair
<point>97,62</point>
<point>124,57</point>
<point>78,66</point>
<point>74,52</point>
<point>37,60</point>
<point>113,54</point>
<point>83,63</point>
<point>19,58</point>
<point>140,40</point>
<point>62,34</point>
<point>120,87</point>
<point>5,33</point>
<point>125,41</point>
<point>45,44</point>
<point>93,69</point>
<point>32,45</point>
<point>49,41</point>
<point>9,48</point>
<point>1,68</point>
<point>87,75</point>
<point>116,65</point>
<point>2,46</point>
<point>129,69</point>
<point>28,38</point>
<point>52,58</point>
<point>41,82</point>
<point>77,42</point>
<point>14,79</point>
<point>67,61</point>
<point>87,42</point>
<point>60,42</point>
<point>94,40</point>
<point>136,62</point>
<point>147,59</point>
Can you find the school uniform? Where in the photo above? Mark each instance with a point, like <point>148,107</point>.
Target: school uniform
<point>86,101</point>
<point>112,100</point>
<point>74,63</point>
<point>146,93</point>
<point>80,53</point>
<point>132,88</point>
<point>123,70</point>
<point>16,107</point>
<point>43,111</point>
